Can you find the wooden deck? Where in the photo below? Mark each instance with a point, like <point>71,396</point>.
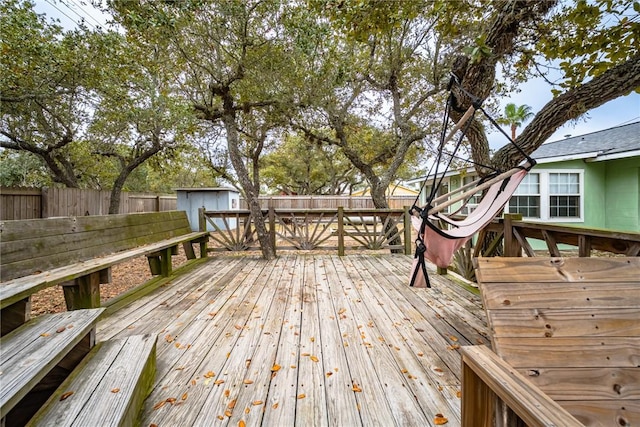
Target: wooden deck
<point>304,340</point>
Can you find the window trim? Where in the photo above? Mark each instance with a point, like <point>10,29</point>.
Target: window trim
<point>545,195</point>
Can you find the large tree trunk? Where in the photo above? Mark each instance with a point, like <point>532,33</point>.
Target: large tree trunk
<point>251,192</point>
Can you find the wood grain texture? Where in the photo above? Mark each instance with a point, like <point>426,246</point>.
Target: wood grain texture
<point>572,327</point>
<point>31,351</point>
<point>109,387</point>
<point>239,317</point>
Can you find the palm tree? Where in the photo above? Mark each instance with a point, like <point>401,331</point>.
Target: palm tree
<point>515,116</point>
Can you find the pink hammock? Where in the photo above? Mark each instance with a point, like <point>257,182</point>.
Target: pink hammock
<point>441,245</point>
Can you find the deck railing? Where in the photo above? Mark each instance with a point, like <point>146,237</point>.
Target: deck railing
<point>513,232</point>
<point>312,229</point>
<point>342,230</point>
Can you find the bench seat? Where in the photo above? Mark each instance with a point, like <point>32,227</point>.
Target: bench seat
<point>109,386</point>
<point>17,289</point>
<point>570,327</point>
<point>36,357</point>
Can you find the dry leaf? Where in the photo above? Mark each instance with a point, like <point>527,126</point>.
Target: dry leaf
<point>305,354</point>
<point>453,338</point>
<point>302,396</point>
<point>61,329</point>
<point>342,310</point>
<point>115,390</point>
<point>228,413</point>
<point>171,400</point>
<point>257,402</point>
<point>459,394</point>
<point>220,417</point>
<point>218,382</point>
<point>329,373</point>
<point>44,335</point>
<point>312,339</point>
<point>159,404</point>
<point>238,327</point>
<point>227,392</point>
<point>65,395</point>
<point>168,338</point>
<point>314,359</point>
<point>275,368</point>
<point>247,381</point>
<point>293,366</point>
<point>209,374</point>
<point>247,410</point>
<point>153,425</point>
<point>438,369</point>
<point>356,388</point>
<point>232,404</point>
<point>453,347</point>
<point>193,382</point>
<point>184,396</point>
<point>241,423</point>
<point>439,420</point>
<point>404,371</point>
<point>275,405</point>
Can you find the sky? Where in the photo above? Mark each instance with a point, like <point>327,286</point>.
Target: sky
<point>535,93</point>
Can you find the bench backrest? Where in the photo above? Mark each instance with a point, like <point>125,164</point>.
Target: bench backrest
<point>29,246</point>
<point>571,326</point>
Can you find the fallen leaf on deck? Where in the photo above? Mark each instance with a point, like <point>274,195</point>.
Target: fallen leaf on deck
<point>247,363</point>
<point>241,423</point>
<point>248,381</point>
<point>115,390</point>
<point>44,335</point>
<point>228,413</point>
<point>293,366</point>
<point>312,339</point>
<point>275,368</point>
<point>314,359</point>
<point>439,420</point>
<point>453,338</point>
<point>218,382</point>
<point>302,396</point>
<point>159,404</point>
<point>227,392</point>
<point>275,405</point>
<point>168,338</point>
<point>65,395</point>
<point>238,327</point>
<point>220,417</point>
<point>329,374</point>
<point>193,382</point>
<point>404,371</point>
<point>438,369</point>
<point>458,394</point>
<point>171,400</point>
<point>420,354</point>
<point>209,374</point>
<point>247,410</point>
<point>232,404</point>
<point>342,310</point>
<point>305,354</point>
<point>356,388</point>
<point>453,347</point>
<point>184,396</point>
<point>61,329</point>
<point>257,402</point>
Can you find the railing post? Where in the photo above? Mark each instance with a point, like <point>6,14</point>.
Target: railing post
<point>202,220</point>
<point>340,231</point>
<point>512,247</point>
<point>407,231</point>
<point>272,228</point>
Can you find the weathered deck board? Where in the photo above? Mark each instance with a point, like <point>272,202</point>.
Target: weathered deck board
<point>303,340</point>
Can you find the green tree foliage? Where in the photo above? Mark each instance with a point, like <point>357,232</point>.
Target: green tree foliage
<point>300,167</point>
<point>44,75</point>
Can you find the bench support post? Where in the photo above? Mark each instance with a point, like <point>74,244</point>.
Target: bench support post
<point>160,262</point>
<point>15,315</point>
<point>83,292</point>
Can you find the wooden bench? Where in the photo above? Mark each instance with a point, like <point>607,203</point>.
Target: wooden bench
<point>108,388</point>
<point>567,333</point>
<point>36,357</point>
<point>78,252</point>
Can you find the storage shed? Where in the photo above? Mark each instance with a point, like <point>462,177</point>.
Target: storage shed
<point>212,199</point>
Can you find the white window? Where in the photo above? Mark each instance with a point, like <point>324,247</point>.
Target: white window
<point>473,201</point>
<point>553,195</point>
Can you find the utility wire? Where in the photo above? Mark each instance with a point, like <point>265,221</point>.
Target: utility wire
<point>84,11</point>
<point>68,17</point>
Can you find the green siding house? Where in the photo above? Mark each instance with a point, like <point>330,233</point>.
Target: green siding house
<point>590,180</point>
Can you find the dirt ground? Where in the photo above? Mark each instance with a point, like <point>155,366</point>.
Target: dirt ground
<point>123,277</point>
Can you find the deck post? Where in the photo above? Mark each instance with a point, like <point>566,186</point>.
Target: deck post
<point>407,230</point>
<point>202,220</point>
<point>512,247</point>
<point>272,227</point>
<point>340,231</point>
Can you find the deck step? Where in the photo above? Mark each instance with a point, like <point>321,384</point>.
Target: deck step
<point>36,357</point>
<point>108,388</point>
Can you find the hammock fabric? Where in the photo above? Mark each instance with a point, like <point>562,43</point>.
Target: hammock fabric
<point>439,246</point>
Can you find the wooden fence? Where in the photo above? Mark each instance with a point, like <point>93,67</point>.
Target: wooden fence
<point>327,202</point>
<point>32,203</point>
